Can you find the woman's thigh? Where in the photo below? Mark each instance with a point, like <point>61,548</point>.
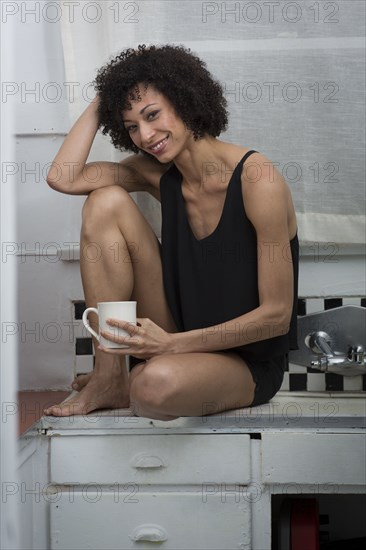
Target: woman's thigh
<point>191,384</point>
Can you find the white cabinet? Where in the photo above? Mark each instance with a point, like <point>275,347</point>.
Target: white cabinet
<point>313,458</point>
<point>134,491</point>
<point>116,481</point>
<point>149,519</point>
<point>151,459</point>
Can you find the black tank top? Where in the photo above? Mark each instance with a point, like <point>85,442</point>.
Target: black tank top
<point>212,280</point>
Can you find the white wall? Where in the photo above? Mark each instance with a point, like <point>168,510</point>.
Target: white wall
<point>9,481</point>
<point>48,283</point>
<point>328,269</point>
<point>46,220</point>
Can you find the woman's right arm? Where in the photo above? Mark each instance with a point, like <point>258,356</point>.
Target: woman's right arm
<point>71,174</point>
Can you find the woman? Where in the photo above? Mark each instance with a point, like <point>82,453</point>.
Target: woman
<point>216,303</point>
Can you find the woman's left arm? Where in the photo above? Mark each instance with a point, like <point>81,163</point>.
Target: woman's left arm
<point>266,198</point>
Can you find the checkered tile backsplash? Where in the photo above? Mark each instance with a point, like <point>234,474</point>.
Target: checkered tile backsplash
<point>297,378</point>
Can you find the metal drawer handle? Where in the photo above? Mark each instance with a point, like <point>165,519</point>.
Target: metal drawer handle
<point>143,460</point>
<point>149,532</point>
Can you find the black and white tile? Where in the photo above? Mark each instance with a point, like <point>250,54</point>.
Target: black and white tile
<point>84,358</point>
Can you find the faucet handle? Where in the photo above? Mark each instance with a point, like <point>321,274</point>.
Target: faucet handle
<point>321,363</point>
<point>356,354</point>
<point>319,342</point>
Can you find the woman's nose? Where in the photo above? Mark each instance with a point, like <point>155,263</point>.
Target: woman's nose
<point>146,134</point>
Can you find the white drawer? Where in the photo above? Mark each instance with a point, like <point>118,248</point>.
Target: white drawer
<point>165,520</point>
<point>151,459</point>
<point>313,458</point>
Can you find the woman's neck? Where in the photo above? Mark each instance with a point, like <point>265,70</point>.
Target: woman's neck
<point>200,160</point>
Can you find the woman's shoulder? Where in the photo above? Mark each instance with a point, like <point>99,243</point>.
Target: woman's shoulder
<point>233,153</point>
<point>258,166</point>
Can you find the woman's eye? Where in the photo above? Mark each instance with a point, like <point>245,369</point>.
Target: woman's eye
<point>130,128</point>
<point>152,114</point>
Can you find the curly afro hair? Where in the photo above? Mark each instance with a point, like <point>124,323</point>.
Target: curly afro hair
<point>174,72</point>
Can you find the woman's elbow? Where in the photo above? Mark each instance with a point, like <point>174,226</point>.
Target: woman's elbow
<point>284,314</point>
<point>56,180</point>
<point>57,183</point>
<point>51,183</point>
<point>278,316</point>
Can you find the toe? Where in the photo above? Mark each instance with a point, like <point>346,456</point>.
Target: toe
<point>67,409</point>
<point>80,381</point>
<point>53,411</point>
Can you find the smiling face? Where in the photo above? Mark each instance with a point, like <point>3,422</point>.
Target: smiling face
<point>154,126</point>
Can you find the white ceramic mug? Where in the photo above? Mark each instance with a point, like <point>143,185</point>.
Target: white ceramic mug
<point>122,311</point>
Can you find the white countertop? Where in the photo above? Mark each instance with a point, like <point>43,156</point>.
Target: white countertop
<point>290,411</point>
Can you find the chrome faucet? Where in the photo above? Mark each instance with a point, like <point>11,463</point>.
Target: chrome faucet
<point>332,361</point>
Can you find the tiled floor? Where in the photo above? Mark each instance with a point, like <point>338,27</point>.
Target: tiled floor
<point>31,405</point>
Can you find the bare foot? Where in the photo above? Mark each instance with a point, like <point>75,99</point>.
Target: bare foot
<point>106,388</point>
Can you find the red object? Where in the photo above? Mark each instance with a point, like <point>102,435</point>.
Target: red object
<point>31,404</point>
<point>305,524</point>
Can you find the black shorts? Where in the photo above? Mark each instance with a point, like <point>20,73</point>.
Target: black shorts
<point>268,377</point>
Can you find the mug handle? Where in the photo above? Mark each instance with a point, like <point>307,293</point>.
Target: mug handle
<point>86,321</point>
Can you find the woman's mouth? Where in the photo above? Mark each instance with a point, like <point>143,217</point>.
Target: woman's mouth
<point>159,146</point>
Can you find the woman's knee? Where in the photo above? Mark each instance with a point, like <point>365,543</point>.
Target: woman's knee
<point>103,204</point>
<point>155,386</point>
